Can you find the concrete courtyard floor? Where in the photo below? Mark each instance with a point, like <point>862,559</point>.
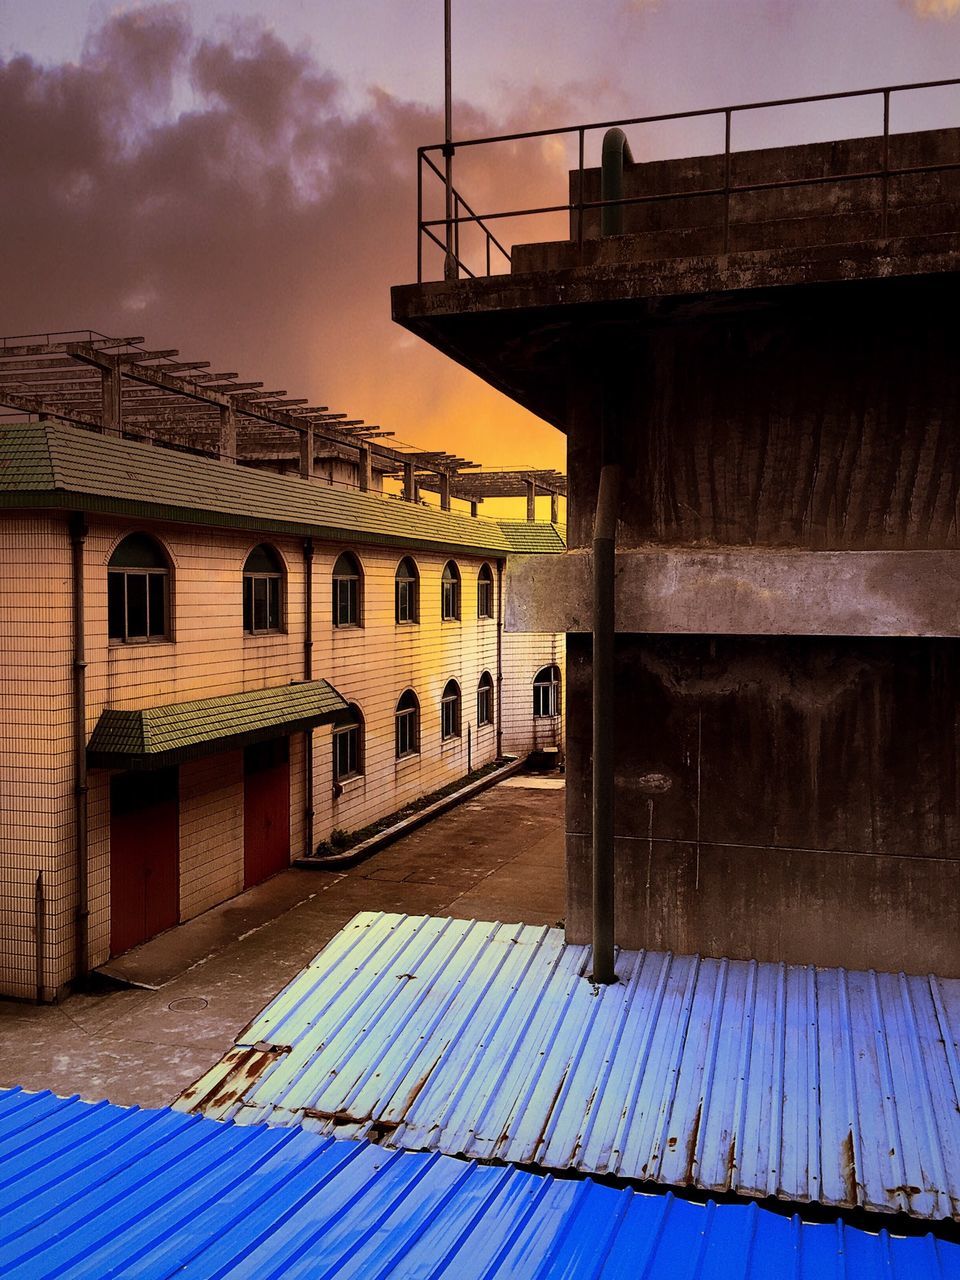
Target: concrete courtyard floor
<point>498,856</point>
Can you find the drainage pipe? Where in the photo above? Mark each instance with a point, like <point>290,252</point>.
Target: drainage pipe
<point>616,152</point>
<point>78,537</point>
<point>308,675</point>
<point>500,564</point>
<point>604,565</point>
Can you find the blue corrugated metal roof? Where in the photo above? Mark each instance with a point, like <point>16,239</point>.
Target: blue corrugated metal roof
<point>94,1190</point>
<point>487,1041</point>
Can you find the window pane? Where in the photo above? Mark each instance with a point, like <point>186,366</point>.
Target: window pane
<point>115,606</point>
<point>157,597</point>
<point>259,604</point>
<point>273,604</point>
<point>248,604</point>
<point>353,606</point>
<point>136,606</point>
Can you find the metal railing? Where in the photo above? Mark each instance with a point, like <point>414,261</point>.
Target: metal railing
<point>458,211</point>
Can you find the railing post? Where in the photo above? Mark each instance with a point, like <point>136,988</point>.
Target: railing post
<point>419,215</point>
<point>580,133</point>
<point>885,190</point>
<point>726,181</point>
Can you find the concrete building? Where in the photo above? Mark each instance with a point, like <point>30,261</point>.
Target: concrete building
<point>753,349</point>
<point>207,670</point>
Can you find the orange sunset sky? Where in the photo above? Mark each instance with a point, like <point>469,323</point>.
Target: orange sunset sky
<point>238,179</point>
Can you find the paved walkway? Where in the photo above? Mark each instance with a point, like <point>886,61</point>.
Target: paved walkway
<point>497,857</point>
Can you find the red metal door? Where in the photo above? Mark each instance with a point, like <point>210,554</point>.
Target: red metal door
<point>266,810</point>
<point>144,857</point>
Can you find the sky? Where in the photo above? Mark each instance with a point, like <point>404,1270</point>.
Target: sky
<point>238,179</point>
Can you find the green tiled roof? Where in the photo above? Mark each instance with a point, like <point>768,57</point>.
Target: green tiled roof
<point>529,538</point>
<point>184,730</point>
<point>54,465</point>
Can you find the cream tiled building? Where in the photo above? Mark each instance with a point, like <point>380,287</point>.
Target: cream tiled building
<point>208,669</point>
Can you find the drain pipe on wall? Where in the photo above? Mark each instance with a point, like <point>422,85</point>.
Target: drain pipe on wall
<point>500,564</point>
<point>616,152</point>
<point>604,747</point>
<point>308,675</point>
<point>78,537</point>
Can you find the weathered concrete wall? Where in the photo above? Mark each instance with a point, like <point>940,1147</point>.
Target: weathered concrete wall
<point>791,799</point>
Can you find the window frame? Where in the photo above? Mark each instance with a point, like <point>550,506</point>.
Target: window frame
<point>150,575</point>
<point>410,717</point>
<point>450,592</point>
<point>547,692</point>
<point>354,585</point>
<point>485,694</point>
<point>354,730</point>
<point>485,588</point>
<point>407,587</point>
<point>274,580</point>
<point>451,712</point>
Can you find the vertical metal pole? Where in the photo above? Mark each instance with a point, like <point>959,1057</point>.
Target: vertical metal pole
<point>580,196</point>
<point>420,215</point>
<point>450,271</point>
<point>885,193</point>
<point>726,182</point>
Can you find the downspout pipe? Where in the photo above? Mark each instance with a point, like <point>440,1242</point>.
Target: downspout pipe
<point>603,826</point>
<point>500,565</point>
<point>615,154</point>
<point>308,675</point>
<point>78,537</point>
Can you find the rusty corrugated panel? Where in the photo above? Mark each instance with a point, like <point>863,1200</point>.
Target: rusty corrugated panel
<point>91,1190</point>
<point>487,1041</point>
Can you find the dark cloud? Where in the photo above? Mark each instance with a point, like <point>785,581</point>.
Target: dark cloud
<point>259,225</point>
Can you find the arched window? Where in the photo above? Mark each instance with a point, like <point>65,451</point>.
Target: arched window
<point>546,692</point>
<point>485,699</point>
<point>450,593</point>
<point>348,745</point>
<point>138,592</point>
<point>450,711</point>
<point>407,721</point>
<point>262,591</point>
<point>485,592</point>
<point>407,591</point>
<point>347,581</point>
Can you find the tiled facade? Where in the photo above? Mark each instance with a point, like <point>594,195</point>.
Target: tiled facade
<point>209,654</point>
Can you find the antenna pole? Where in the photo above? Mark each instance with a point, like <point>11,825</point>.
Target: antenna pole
<point>450,266</point>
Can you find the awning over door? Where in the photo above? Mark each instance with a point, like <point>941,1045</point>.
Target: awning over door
<point>159,736</point>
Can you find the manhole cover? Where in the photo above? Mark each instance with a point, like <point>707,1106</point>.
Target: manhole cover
<point>190,1004</point>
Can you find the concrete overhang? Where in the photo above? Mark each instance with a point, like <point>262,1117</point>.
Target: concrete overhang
<point>744,592</point>
<point>521,333</point>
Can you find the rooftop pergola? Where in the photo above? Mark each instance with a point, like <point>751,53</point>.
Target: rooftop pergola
<point>120,387</point>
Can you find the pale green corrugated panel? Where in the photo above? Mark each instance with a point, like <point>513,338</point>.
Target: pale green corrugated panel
<point>106,473</point>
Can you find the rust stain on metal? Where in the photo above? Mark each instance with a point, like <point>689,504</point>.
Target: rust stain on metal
<point>243,1070</point>
<point>848,1168</point>
<point>692,1140</point>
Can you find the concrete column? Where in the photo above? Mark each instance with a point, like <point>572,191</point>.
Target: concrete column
<point>228,434</point>
<point>474,506</point>
<point>409,483</point>
<point>110,400</point>
<point>306,453</point>
<point>444,490</point>
<point>365,461</point>
<point>531,499</point>
<point>554,508</point>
